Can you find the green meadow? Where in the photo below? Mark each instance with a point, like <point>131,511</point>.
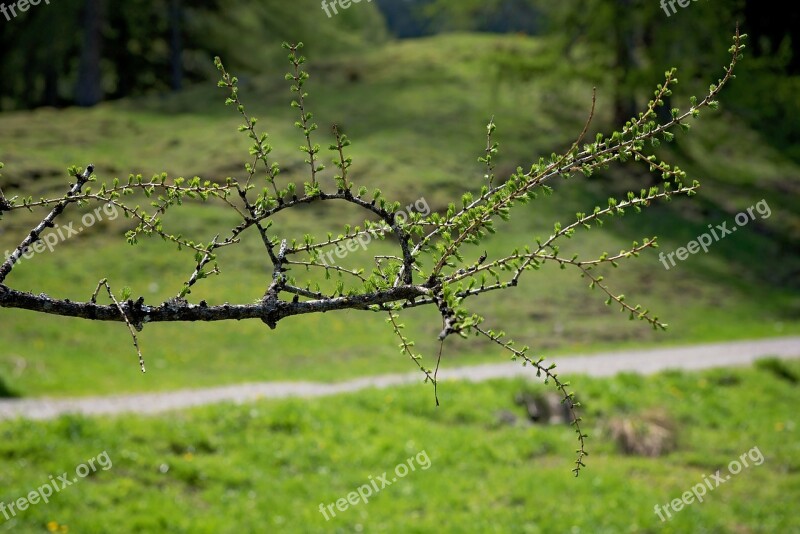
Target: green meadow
<point>268,466</point>
<point>416,112</point>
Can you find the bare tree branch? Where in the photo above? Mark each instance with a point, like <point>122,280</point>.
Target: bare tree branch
<point>430,246</point>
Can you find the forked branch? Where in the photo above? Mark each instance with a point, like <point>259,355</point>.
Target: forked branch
<point>429,267</point>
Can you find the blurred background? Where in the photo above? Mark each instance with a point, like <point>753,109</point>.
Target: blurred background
<point>131,87</point>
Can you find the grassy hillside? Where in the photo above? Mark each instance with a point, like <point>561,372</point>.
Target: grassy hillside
<point>267,466</point>
<point>416,112</point>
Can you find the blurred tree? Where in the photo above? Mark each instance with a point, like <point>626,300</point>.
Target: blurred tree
<point>98,50</point>
<point>176,44</point>
<point>769,101</point>
<point>774,35</point>
<point>625,41</point>
<point>406,18</point>
<point>87,89</point>
<point>33,69</point>
<point>500,16</point>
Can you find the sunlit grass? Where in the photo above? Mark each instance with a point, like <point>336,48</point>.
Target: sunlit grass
<point>267,466</point>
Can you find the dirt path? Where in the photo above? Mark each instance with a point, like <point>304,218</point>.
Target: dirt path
<point>604,364</point>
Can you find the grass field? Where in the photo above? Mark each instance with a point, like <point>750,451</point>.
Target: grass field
<point>267,466</point>
<point>416,112</point>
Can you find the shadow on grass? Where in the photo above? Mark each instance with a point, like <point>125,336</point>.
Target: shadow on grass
<point>5,391</point>
<point>778,368</point>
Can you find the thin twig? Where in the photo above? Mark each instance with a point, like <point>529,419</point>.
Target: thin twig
<point>104,282</point>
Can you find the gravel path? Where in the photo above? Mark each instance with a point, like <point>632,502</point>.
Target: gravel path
<point>603,364</point>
